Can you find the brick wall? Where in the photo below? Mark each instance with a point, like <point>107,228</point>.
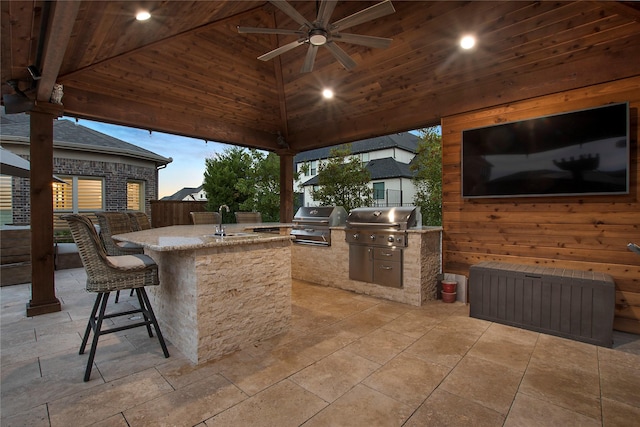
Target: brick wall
<point>115,177</point>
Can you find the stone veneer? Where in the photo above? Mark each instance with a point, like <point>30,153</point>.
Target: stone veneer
<point>214,301</point>
<point>329,266</point>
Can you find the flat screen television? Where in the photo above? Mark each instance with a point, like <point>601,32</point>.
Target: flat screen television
<point>582,152</point>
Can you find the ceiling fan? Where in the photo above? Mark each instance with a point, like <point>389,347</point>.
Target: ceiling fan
<point>322,32</point>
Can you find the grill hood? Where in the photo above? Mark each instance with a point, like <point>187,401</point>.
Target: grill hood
<point>398,218</point>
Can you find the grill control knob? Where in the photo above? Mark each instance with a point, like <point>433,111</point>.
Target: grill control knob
<point>390,239</point>
<point>356,236</point>
<point>372,237</point>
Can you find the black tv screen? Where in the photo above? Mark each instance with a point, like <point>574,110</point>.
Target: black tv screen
<point>576,153</point>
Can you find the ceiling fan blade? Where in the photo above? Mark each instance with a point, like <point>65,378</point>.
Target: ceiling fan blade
<point>256,30</point>
<point>368,14</point>
<point>325,12</point>
<point>282,49</point>
<point>291,12</point>
<point>307,67</point>
<point>369,41</point>
<point>341,55</point>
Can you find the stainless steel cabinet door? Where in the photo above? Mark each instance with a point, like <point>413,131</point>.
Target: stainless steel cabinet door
<point>361,263</point>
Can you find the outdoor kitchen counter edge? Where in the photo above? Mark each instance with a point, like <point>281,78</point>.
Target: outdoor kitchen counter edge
<point>190,237</point>
<point>423,229</point>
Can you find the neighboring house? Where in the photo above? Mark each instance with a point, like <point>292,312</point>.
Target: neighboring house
<point>387,158</point>
<point>188,194</point>
<point>99,172</point>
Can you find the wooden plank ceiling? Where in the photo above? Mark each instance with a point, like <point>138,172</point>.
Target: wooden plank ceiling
<point>187,70</point>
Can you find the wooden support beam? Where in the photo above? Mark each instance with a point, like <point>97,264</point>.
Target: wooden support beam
<point>286,188</point>
<point>43,296</point>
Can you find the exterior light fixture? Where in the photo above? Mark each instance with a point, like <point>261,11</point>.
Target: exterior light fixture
<point>143,15</point>
<point>467,42</point>
<point>327,93</point>
<point>317,37</point>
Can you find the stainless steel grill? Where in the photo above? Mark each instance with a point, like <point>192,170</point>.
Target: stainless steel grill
<point>376,238</point>
<point>312,225</point>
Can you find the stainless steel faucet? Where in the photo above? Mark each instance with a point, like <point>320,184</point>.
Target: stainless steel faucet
<point>220,229</point>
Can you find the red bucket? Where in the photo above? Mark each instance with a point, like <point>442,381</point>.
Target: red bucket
<point>448,297</point>
<point>449,286</point>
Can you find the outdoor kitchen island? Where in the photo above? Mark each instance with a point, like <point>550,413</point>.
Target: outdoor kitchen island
<point>218,294</point>
<point>329,266</point>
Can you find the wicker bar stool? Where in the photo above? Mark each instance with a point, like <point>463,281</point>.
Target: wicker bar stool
<point>117,223</point>
<point>205,218</point>
<point>139,221</point>
<point>112,223</point>
<point>106,274</point>
<point>248,217</point>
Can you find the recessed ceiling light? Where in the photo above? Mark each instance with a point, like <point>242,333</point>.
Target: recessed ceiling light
<point>143,15</point>
<point>327,93</point>
<point>467,42</point>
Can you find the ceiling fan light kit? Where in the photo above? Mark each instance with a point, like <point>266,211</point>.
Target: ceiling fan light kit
<point>323,33</point>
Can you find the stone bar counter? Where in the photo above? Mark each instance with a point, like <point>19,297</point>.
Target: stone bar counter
<point>218,294</point>
<point>329,266</point>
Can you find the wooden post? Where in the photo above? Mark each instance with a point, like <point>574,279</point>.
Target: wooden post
<point>286,187</point>
<point>43,296</point>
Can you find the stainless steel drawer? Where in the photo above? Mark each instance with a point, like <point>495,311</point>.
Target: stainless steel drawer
<point>388,254</point>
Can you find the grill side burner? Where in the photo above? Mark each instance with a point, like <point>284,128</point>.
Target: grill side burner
<point>312,225</point>
<point>376,238</point>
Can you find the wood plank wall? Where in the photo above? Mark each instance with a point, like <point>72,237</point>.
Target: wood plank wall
<point>582,233</point>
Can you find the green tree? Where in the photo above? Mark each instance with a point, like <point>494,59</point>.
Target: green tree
<point>221,176</point>
<point>427,166</point>
<point>343,181</point>
<point>262,186</point>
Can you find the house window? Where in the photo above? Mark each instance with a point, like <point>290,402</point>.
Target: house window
<point>378,190</point>
<point>135,195</point>
<point>78,194</point>
<point>364,158</point>
<point>6,213</point>
<point>313,170</point>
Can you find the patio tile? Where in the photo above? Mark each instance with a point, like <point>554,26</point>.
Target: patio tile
<point>412,324</point>
<point>571,388</point>
<point>364,361</point>
<point>362,406</point>
<point>44,345</point>
<point>529,411</point>
<point>620,376</point>
<point>114,421</point>
<point>266,373</point>
<point>446,409</point>
<point>380,346</point>
<point>17,374</point>
<point>281,405</point>
<point>105,400</point>
<point>334,375</point>
<point>561,352</point>
<point>509,346</point>
<point>187,406</point>
<point>34,417</point>
<point>180,372</point>
<point>443,346</point>
<point>363,323</point>
<point>486,383</point>
<point>23,394</point>
<point>618,414</point>
<point>407,379</point>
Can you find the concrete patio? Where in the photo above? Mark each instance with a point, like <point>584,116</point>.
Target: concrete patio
<point>348,360</point>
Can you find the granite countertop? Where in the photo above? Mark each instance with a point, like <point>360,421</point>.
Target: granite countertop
<point>423,229</point>
<point>188,237</point>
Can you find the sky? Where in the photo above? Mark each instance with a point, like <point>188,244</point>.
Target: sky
<point>189,154</point>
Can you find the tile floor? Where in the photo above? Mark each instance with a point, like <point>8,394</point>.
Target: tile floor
<point>348,360</point>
